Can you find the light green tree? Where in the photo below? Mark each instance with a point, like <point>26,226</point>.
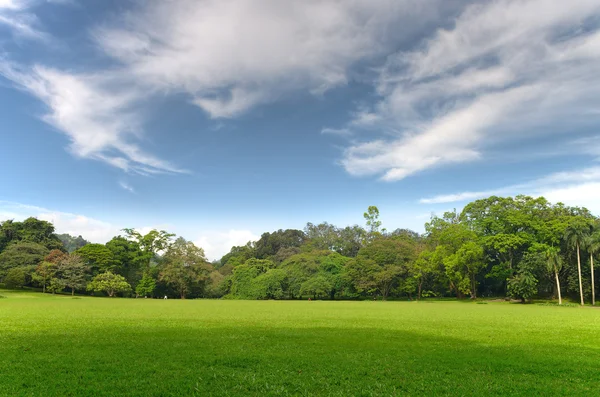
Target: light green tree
<point>146,286</point>
<point>109,283</point>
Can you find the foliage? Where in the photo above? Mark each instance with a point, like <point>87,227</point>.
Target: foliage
<point>146,286</point>
<point>109,283</point>
<point>15,278</point>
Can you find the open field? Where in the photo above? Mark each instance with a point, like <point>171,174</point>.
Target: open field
<point>99,346</point>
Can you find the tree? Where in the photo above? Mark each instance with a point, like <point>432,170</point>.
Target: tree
<point>317,286</point>
<point>576,235</point>
<point>56,285</point>
<point>146,286</point>
<point>150,243</point>
<point>15,278</point>
<point>373,222</point>
<point>44,272</point>
<point>72,271</point>
<point>592,245</point>
<point>554,264</point>
<point>98,258</point>
<point>270,285</point>
<point>522,286</point>
<point>31,230</point>
<point>109,283</point>
<point>21,254</point>
<point>186,267</point>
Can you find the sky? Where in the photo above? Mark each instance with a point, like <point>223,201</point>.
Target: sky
<point>219,120</point>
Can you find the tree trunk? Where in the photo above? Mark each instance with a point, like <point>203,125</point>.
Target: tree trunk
<point>72,291</point>
<point>558,286</point>
<point>593,287</point>
<point>420,291</point>
<point>579,272</point>
<point>473,288</point>
<point>44,288</point>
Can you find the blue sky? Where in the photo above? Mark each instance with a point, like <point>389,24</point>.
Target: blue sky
<point>219,120</point>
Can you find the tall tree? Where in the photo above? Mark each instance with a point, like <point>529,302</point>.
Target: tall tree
<point>554,264</point>
<point>576,235</point>
<point>150,243</point>
<point>593,247</point>
<point>186,267</point>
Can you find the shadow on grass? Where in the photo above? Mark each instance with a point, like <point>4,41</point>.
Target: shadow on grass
<point>237,361</point>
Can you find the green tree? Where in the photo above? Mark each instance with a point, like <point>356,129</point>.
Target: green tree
<point>317,286</point>
<point>269,285</point>
<point>98,258</point>
<point>15,278</point>
<point>146,286</point>
<point>575,236</point>
<point>21,254</point>
<point>72,271</point>
<point>109,283</point>
<point>186,267</point>
<point>56,285</point>
<point>373,222</point>
<point>150,243</point>
<point>553,265</point>
<point>592,245</point>
<point>44,272</point>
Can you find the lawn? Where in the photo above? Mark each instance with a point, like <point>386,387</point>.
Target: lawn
<point>58,345</point>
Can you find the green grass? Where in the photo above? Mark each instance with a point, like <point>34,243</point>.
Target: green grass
<point>105,347</point>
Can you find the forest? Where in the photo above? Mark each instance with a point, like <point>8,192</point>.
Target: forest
<point>519,248</point>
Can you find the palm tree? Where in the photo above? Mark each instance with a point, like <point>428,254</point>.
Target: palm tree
<point>592,245</point>
<point>554,264</point>
<point>575,235</point>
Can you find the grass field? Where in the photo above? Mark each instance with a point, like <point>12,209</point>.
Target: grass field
<point>105,347</point>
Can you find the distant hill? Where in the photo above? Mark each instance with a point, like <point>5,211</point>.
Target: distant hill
<point>72,243</point>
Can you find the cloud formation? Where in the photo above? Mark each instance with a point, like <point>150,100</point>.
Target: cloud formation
<point>96,111</point>
<point>230,56</point>
<point>503,69</point>
<point>217,244</point>
<point>91,229</point>
<point>576,188</point>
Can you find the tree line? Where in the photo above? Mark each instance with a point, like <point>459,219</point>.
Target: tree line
<point>515,247</point>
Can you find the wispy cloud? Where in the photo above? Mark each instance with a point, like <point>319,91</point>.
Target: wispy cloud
<point>96,111</point>
<point>19,18</point>
<point>578,188</point>
<point>504,69</point>
<point>230,56</point>
<point>124,185</point>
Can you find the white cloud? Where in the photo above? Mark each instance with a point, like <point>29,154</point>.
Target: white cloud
<point>96,111</point>
<point>231,55</point>
<point>334,131</point>
<point>124,185</point>
<point>505,69</point>
<point>575,188</point>
<point>19,18</point>
<point>217,244</point>
<point>91,229</point>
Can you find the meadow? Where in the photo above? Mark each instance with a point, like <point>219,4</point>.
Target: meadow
<point>84,346</point>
